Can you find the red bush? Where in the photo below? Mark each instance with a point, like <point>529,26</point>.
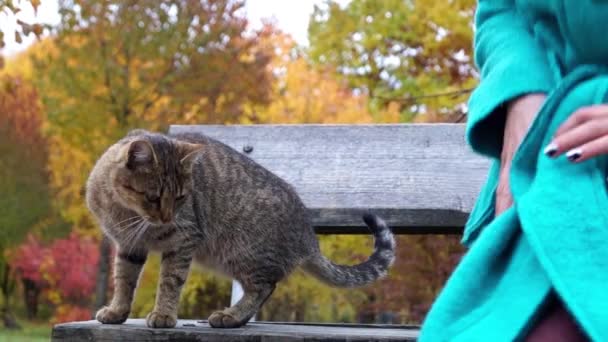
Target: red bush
<point>27,260</point>
<point>66,270</point>
<point>73,267</point>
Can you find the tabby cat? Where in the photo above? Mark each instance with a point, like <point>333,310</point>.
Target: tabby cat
<point>192,198</point>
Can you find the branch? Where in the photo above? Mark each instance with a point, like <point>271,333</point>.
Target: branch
<point>410,99</point>
<point>460,118</point>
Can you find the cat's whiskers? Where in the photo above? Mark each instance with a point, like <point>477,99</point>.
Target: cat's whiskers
<point>130,234</point>
<point>128,231</point>
<point>129,225</point>
<point>130,219</point>
<point>141,230</point>
<point>134,232</point>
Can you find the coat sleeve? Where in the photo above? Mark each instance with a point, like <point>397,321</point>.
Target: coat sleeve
<point>511,62</point>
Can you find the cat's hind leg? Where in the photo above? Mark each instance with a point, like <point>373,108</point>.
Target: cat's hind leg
<point>240,313</point>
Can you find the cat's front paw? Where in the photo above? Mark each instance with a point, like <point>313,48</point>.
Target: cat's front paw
<point>219,319</point>
<point>160,320</point>
<point>110,315</point>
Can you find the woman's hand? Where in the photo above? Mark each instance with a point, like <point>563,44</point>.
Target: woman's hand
<point>520,114</point>
<point>584,135</point>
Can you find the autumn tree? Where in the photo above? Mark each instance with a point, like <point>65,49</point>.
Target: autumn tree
<point>303,93</point>
<point>23,179</point>
<point>399,51</point>
<point>115,65</point>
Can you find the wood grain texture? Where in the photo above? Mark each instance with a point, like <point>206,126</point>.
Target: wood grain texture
<point>190,330</point>
<point>422,178</point>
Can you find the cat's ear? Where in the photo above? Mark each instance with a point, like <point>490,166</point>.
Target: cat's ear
<point>140,153</point>
<point>188,153</point>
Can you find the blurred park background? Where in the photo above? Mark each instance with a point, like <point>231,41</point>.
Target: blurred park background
<point>73,84</point>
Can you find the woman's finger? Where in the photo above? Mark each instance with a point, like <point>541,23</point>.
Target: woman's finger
<point>581,116</point>
<point>578,135</point>
<point>591,149</point>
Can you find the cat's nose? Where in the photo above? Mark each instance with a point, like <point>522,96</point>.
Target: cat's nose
<point>166,216</point>
<point>166,209</point>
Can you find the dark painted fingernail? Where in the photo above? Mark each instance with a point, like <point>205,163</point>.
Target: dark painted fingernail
<point>574,155</point>
<point>551,149</point>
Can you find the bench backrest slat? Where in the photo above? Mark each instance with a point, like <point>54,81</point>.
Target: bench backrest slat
<point>422,178</point>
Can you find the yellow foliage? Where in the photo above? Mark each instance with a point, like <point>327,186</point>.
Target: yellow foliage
<point>73,165</point>
<point>22,64</point>
<point>304,94</point>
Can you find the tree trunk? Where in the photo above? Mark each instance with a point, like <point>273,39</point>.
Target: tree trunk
<point>103,274</point>
<point>7,286</point>
<point>31,292</point>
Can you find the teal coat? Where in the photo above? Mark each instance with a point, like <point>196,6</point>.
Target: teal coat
<point>555,237</point>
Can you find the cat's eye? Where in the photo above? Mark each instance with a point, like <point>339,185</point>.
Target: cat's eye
<point>152,198</point>
<point>180,198</point>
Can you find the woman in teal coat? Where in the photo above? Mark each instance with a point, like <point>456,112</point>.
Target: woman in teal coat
<point>538,235</point>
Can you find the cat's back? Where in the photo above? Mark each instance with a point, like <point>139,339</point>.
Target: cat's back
<point>232,177</point>
<point>227,161</point>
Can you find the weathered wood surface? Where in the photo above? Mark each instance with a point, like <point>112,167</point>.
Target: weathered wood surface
<point>190,330</point>
<point>422,178</point>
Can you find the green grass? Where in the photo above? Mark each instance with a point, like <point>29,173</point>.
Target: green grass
<point>30,332</point>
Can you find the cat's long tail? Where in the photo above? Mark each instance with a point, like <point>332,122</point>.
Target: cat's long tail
<point>364,273</point>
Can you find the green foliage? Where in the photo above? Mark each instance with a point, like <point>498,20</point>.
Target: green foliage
<point>394,50</point>
<point>23,179</point>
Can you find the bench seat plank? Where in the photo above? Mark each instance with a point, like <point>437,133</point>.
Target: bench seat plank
<point>422,178</point>
<point>191,330</point>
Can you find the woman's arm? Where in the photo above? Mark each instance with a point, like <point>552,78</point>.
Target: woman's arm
<point>515,76</point>
<point>519,116</point>
<point>512,65</point>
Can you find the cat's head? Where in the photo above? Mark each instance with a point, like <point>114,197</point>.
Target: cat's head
<point>153,175</point>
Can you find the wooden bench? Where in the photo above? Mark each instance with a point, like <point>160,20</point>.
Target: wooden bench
<point>421,178</point>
